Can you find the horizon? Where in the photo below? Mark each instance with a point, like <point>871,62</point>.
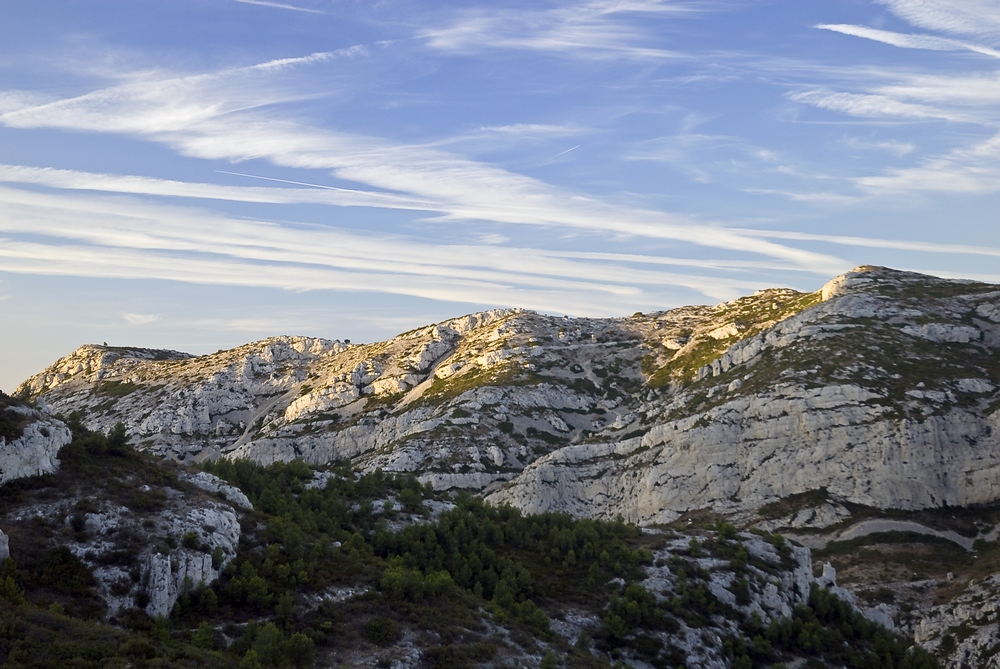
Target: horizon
<point>194,176</point>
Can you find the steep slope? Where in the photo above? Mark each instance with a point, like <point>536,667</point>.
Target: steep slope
<point>466,402</point>
<point>123,529</point>
<point>885,394</point>
<point>29,441</point>
<point>336,569</point>
<point>881,387</point>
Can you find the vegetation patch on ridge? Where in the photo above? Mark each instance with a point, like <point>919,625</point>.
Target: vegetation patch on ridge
<point>748,316</point>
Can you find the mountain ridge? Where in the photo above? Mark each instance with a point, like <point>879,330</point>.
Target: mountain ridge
<point>887,376</point>
<point>861,419</point>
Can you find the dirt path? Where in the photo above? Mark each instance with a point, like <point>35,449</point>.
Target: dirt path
<point>866,527</point>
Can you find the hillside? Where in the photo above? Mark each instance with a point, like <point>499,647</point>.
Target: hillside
<point>119,559</point>
<point>860,421</point>
<point>882,388</point>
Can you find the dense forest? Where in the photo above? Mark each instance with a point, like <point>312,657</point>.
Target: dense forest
<point>335,565</point>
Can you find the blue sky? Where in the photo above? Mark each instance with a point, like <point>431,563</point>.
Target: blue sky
<point>195,174</point>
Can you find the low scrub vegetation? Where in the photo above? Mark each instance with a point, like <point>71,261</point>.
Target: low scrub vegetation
<point>341,566</point>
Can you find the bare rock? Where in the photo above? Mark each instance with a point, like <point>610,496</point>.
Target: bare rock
<point>213,483</point>
<point>35,451</point>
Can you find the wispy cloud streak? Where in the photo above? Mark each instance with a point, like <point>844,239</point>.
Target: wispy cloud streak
<point>955,95</point>
<point>113,183</point>
<point>869,242</point>
<point>142,240</point>
<point>597,30</point>
<point>972,169</point>
<point>220,117</point>
<point>962,17</point>
<point>280,5</point>
<point>909,41</point>
<point>857,104</point>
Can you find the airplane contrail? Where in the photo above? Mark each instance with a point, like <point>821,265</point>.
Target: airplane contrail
<point>562,153</point>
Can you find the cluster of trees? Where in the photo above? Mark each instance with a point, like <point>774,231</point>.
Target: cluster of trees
<point>473,555</point>
<point>411,571</point>
<point>11,422</point>
<point>827,627</point>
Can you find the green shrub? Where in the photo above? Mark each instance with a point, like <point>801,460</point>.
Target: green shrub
<point>382,631</point>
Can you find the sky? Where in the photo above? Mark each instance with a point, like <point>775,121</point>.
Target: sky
<point>196,174</point>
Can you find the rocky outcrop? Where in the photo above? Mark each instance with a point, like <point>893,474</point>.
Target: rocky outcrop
<point>851,395</point>
<point>751,451</point>
<point>881,387</point>
<point>768,595</point>
<point>35,451</point>
<point>966,630</point>
<point>212,483</point>
<point>877,614</point>
<point>184,546</point>
<point>146,544</point>
<point>215,531</point>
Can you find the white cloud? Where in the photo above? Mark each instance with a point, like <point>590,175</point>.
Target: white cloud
<point>493,238</point>
<point>581,298</point>
<point>311,194</point>
<point>973,90</point>
<point>220,117</point>
<point>533,130</point>
<point>857,104</point>
<point>909,41</point>
<point>962,17</point>
<point>869,242</point>
<point>972,169</point>
<point>522,136</point>
<point>14,100</point>
<point>590,30</point>
<point>820,197</point>
<point>139,319</point>
<point>280,5</point>
<point>891,146</point>
<point>971,97</point>
<point>126,238</point>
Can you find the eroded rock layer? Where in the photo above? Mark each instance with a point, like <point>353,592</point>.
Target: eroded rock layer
<point>882,387</point>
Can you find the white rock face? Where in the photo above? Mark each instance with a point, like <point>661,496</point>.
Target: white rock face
<point>164,576</point>
<point>4,546</point>
<point>944,332</point>
<point>213,483</point>
<point>989,311</point>
<point>725,332</point>
<point>885,393</point>
<point>884,440</point>
<point>746,453</point>
<point>168,576</point>
<point>182,541</point>
<point>975,386</point>
<point>35,451</point>
<point>977,609</point>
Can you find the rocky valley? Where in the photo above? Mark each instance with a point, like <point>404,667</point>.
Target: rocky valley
<point>860,422</point>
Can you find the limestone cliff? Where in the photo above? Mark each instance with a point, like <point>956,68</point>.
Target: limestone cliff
<point>145,541</point>
<point>881,387</point>
<point>37,442</point>
<point>885,394</point>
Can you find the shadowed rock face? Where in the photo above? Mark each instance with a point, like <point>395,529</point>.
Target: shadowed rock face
<point>880,387</point>
<point>35,450</point>
<point>884,394</point>
<point>155,551</point>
